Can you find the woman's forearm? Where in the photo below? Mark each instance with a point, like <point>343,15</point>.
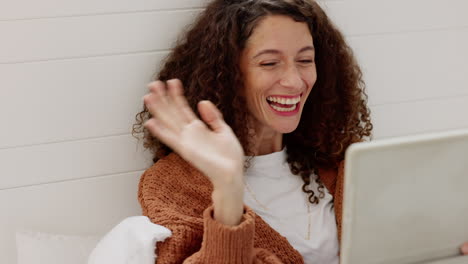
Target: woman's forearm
<point>228,202</point>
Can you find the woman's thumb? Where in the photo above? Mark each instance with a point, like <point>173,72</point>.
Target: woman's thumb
<point>211,115</point>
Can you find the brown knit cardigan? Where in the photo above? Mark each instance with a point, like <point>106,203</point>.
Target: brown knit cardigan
<point>174,194</point>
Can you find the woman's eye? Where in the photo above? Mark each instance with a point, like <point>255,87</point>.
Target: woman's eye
<point>268,64</point>
<point>306,61</point>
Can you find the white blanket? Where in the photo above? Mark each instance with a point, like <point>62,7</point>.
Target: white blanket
<point>132,241</point>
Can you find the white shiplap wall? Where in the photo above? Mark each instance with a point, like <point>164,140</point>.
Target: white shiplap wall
<point>72,74</point>
<point>415,61</point>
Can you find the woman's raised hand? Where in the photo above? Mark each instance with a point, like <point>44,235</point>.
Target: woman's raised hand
<point>214,150</point>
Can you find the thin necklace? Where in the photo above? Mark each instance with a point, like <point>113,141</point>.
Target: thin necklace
<point>309,215</point>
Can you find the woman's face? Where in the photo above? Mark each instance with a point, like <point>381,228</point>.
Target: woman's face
<point>279,72</point>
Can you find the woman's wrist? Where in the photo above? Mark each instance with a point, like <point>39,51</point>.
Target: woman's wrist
<point>228,202</point>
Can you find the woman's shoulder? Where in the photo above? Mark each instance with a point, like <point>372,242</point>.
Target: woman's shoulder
<point>173,184</point>
<point>173,171</point>
<point>172,162</point>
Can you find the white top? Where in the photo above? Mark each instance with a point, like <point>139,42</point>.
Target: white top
<point>276,195</point>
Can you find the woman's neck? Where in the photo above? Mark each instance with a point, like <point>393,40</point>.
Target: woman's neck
<point>267,141</point>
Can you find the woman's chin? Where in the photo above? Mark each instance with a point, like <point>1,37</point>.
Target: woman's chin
<point>286,127</point>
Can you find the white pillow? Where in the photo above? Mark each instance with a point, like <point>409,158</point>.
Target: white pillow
<point>132,241</point>
<point>42,248</point>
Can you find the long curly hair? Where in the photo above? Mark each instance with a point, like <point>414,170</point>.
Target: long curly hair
<point>206,59</point>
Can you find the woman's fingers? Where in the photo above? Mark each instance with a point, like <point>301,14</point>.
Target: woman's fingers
<point>177,96</point>
<point>464,249</point>
<point>162,107</point>
<point>155,101</point>
<point>211,115</point>
<point>158,130</point>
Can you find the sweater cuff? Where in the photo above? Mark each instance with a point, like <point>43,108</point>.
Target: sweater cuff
<point>228,244</point>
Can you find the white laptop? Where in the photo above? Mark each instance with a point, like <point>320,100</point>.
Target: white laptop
<point>406,200</point>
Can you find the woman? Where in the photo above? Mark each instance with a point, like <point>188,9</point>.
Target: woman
<point>279,99</point>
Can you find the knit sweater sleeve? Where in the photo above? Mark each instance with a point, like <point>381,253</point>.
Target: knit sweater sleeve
<point>196,236</point>
<point>226,244</point>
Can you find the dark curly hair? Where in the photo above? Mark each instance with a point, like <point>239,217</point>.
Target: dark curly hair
<point>207,58</point>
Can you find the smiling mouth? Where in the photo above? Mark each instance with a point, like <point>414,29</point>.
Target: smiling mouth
<point>284,104</point>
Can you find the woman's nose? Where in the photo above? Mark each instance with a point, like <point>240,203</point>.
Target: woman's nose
<point>291,78</point>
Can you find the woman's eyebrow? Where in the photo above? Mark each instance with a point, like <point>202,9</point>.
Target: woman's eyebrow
<point>273,51</point>
<point>312,48</point>
<point>267,51</point>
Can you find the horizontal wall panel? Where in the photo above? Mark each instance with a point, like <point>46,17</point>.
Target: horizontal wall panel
<point>88,207</point>
<point>69,37</point>
<point>419,117</point>
<point>41,39</point>
<point>361,17</point>
<point>71,160</point>
<point>412,66</point>
<point>14,9</point>
<point>23,9</point>
<point>348,13</point>
<point>72,99</point>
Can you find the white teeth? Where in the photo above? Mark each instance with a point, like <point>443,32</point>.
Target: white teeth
<point>282,100</point>
<point>283,109</point>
